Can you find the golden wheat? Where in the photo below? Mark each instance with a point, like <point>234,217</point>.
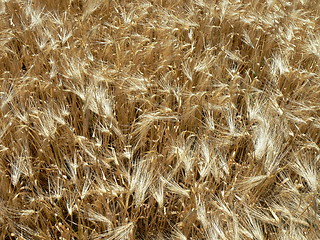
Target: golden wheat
<point>159,119</point>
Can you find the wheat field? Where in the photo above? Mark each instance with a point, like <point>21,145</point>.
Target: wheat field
<point>159,119</point>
